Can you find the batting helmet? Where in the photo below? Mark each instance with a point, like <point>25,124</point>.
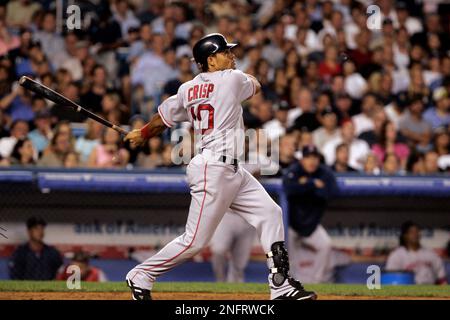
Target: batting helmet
<point>209,45</point>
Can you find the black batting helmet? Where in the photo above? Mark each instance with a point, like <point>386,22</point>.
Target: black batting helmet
<point>209,45</point>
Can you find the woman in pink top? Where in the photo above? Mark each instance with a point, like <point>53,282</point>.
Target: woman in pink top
<point>7,41</point>
<point>388,144</point>
<point>109,154</point>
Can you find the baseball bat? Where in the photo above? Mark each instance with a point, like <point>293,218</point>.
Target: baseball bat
<point>59,99</point>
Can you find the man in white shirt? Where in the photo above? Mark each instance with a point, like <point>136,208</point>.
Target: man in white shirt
<point>364,120</point>
<point>328,131</point>
<point>304,104</point>
<point>277,126</point>
<point>19,130</point>
<point>359,149</point>
<point>427,266</point>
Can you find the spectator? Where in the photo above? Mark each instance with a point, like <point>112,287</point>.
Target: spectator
<point>330,65</point>
<point>52,43</point>
<point>304,104</point>
<point>77,53</point>
<point>111,104</point>
<point>309,186</point>
<point>438,116</point>
<point>152,69</point>
<point>364,120</point>
<point>35,260</point>
<point>371,165</point>
<point>72,160</point>
<point>374,135</point>
<point>343,107</point>
<point>8,41</point>
<point>139,47</point>
<point>54,155</point>
<point>414,128</point>
<point>411,24</point>
<point>109,154</point>
<point>17,104</point>
<point>442,147</point>
<point>106,35</point>
<point>287,150</point>
<point>276,127</point>
<point>391,164</point>
<point>23,153</point>
<point>388,144</point>
<point>355,84</point>
<point>328,131</point>
<point>308,119</point>
<point>3,130</point>
<point>394,110</point>
<point>125,16</point>
<point>85,144</point>
<point>185,69</point>
<point>410,256</point>
<point>19,130</point>
<point>96,90</point>
<point>431,163</point>
<point>20,12</point>
<point>154,158</point>
<point>41,136</point>
<point>342,157</point>
<point>88,272</point>
<point>359,149</point>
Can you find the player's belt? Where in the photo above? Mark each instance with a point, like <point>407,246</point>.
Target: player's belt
<point>229,160</point>
<point>220,157</point>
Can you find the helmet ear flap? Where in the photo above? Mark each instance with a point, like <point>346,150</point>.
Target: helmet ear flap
<point>198,64</point>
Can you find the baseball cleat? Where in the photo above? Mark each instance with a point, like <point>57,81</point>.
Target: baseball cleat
<point>138,293</point>
<point>282,285</point>
<point>291,290</point>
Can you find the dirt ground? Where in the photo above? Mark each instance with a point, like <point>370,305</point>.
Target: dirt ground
<point>174,296</point>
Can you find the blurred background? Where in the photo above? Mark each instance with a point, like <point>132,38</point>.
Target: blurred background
<point>372,97</point>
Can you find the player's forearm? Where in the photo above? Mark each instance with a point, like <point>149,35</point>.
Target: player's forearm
<point>154,128</point>
<point>255,83</point>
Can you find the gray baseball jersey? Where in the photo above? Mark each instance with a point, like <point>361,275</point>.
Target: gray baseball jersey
<point>428,268</point>
<point>212,103</point>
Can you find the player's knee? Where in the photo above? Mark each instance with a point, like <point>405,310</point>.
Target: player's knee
<point>197,245</point>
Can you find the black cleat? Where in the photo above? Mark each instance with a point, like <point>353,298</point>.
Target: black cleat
<point>138,293</point>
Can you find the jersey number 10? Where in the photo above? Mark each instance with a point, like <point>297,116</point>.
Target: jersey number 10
<point>197,117</point>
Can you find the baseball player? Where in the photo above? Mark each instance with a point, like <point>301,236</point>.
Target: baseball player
<point>427,266</point>
<point>233,236</point>
<point>212,103</point>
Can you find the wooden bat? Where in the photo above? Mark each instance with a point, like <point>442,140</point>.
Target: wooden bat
<point>59,99</point>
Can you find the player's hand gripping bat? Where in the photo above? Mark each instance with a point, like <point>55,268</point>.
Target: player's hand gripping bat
<point>61,100</point>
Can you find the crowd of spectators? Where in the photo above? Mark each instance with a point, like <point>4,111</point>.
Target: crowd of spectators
<point>374,101</point>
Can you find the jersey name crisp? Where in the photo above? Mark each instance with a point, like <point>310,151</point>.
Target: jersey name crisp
<point>200,91</point>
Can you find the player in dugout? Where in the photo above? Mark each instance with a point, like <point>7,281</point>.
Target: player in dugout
<point>35,260</point>
<point>427,266</point>
<point>309,187</point>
